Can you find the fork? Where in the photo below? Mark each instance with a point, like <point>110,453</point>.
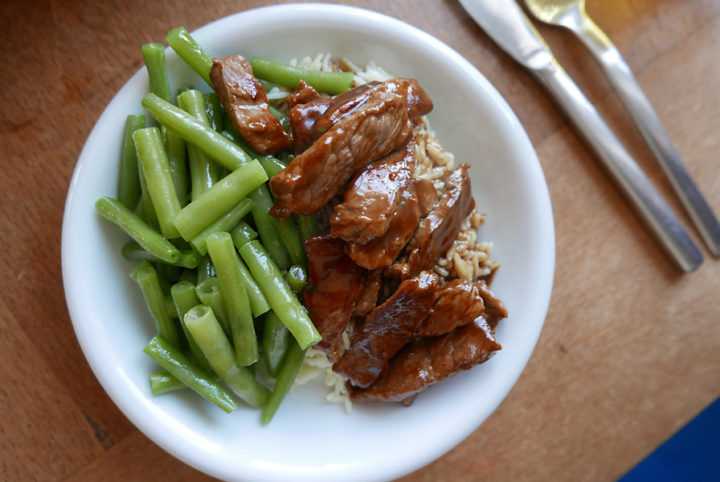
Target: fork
<point>571,15</point>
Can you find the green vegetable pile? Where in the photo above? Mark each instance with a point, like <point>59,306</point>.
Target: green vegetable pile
<point>220,276</point>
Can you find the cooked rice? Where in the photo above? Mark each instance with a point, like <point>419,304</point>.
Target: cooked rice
<point>467,258</point>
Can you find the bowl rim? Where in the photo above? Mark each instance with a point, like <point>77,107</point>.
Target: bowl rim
<point>546,237</point>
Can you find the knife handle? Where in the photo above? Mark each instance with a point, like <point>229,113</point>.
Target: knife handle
<point>642,112</point>
<point>651,207</point>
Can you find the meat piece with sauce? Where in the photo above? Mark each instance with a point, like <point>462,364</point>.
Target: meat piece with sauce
<point>381,252</point>
<point>375,127</point>
<point>369,295</point>
<point>247,105</point>
<point>430,360</point>
<point>373,196</point>
<point>458,302</point>
<point>440,227</point>
<point>307,109</point>
<point>387,328</point>
<point>335,284</point>
<point>494,308</point>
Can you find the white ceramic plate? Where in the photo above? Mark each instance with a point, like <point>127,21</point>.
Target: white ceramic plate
<point>310,439</point>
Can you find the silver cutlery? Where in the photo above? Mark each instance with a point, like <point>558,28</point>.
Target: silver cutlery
<point>571,15</point>
<point>507,25</point>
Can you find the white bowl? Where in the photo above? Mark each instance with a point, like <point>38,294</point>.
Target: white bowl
<point>310,439</point>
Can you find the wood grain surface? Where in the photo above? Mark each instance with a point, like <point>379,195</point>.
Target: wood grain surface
<point>630,350</point>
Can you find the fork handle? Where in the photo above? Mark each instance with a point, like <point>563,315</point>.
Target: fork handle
<point>642,112</point>
<point>623,168</point>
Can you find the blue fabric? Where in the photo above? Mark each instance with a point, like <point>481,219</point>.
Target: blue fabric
<point>692,454</point>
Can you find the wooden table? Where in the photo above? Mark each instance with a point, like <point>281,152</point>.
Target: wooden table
<point>630,350</point>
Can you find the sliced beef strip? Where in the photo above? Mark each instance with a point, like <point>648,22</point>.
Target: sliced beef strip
<point>458,302</point>
<point>430,360</point>
<point>494,308</point>
<point>373,196</point>
<point>381,252</point>
<point>369,295</point>
<point>335,284</point>
<point>440,227</point>
<point>247,105</point>
<point>312,119</point>
<point>376,127</point>
<point>303,94</point>
<point>386,329</point>
<point>427,195</point>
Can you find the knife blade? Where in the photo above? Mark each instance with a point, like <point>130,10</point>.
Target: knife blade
<point>505,22</point>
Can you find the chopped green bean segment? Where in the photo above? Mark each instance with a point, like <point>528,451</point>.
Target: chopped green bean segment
<point>237,305</point>
<point>195,132</point>
<point>188,257</point>
<point>219,199</point>
<point>129,180</point>
<point>144,235</point>
<point>208,291</point>
<point>278,294</point>
<point>147,278</point>
<point>203,171</point>
<point>175,149</point>
<point>307,224</point>
<point>213,111</point>
<point>191,52</point>
<point>184,298</point>
<point>146,209</point>
<point>224,223</point>
<point>267,226</point>
<point>291,240</point>
<point>275,343</point>
<point>205,269</point>
<point>194,377</point>
<point>296,278</point>
<point>214,344</point>
<point>285,379</point>
<point>289,76</point>
<point>163,382</point>
<point>242,233</point>
<point>154,56</point>
<point>160,184</point>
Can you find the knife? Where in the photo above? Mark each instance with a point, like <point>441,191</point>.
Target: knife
<point>507,25</point>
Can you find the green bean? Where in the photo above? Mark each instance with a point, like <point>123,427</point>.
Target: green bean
<point>258,303</point>
<point>147,211</point>
<point>154,56</point>
<point>267,226</point>
<point>163,382</point>
<point>242,233</point>
<point>156,168</point>
<point>205,269</point>
<point>275,343</point>
<point>184,298</point>
<point>175,149</point>
<point>219,199</point>
<point>285,379</point>
<point>213,111</point>
<point>208,291</point>
<point>188,258</point>
<point>203,171</point>
<point>291,240</point>
<point>170,308</point>
<point>191,52</point>
<point>296,278</point>
<point>224,223</point>
<point>289,76</point>
<point>147,278</point>
<point>307,223</point>
<point>226,262</point>
<point>195,132</point>
<point>194,377</point>
<point>128,180</point>
<point>272,165</point>
<point>144,235</point>
<point>278,294</point>
<point>284,119</point>
<point>212,341</point>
